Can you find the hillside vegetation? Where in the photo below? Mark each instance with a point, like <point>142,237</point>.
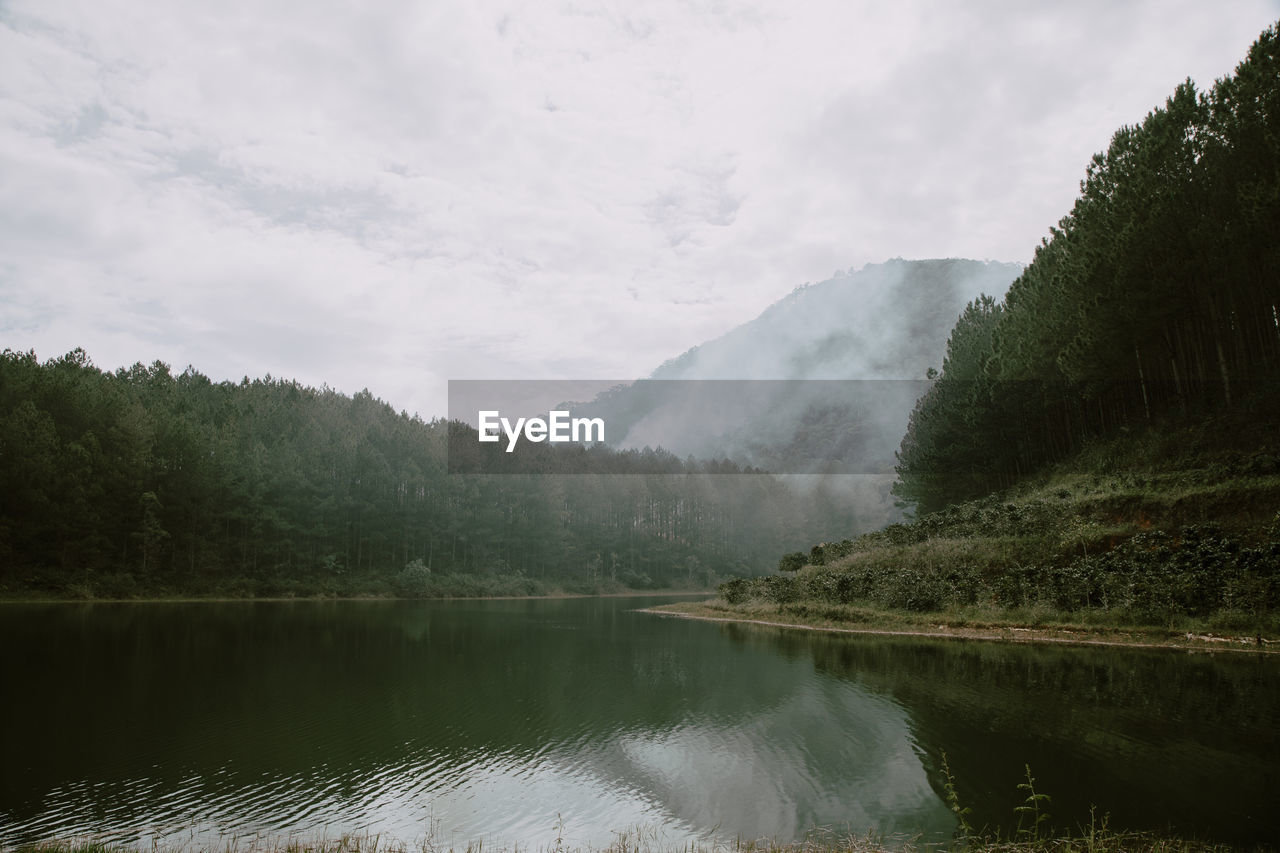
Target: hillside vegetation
<point>1157,294</point>
<point>140,482</point>
<point>1100,447</point>
<point>1118,536</point>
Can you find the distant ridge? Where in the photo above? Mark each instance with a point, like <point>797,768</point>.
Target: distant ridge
<point>869,336</point>
<point>884,321</point>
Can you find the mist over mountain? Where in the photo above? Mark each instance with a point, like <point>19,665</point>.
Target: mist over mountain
<point>884,321</point>
<point>819,387</point>
<point>870,336</point>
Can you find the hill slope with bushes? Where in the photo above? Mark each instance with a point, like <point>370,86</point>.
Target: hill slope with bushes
<point>1100,447</point>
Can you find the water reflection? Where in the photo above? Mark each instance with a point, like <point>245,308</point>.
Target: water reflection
<point>1160,740</point>
<point>828,756</point>
<point>474,720</point>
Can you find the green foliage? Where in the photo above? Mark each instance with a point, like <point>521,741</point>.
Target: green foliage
<point>1032,819</point>
<point>735,590</point>
<point>415,581</point>
<point>778,589</point>
<point>637,580</point>
<point>1116,549</point>
<point>1152,576</point>
<point>1154,298</point>
<point>792,562</point>
<point>140,482</point>
<point>964,830</point>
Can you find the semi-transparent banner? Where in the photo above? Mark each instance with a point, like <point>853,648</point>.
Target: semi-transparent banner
<point>658,426</point>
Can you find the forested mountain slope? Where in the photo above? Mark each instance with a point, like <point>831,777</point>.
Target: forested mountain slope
<point>145,482</point>
<point>142,481</point>
<point>1156,297</point>
<point>1101,446</point>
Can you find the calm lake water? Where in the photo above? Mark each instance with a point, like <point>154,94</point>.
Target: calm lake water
<point>518,721</point>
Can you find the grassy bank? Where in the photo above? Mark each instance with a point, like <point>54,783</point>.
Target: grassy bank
<point>1168,537</point>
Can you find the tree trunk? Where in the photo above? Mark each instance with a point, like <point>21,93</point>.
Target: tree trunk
<point>1142,383</point>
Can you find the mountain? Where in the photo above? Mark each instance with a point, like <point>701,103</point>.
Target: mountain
<point>885,321</point>
<point>820,386</point>
<point>822,381</point>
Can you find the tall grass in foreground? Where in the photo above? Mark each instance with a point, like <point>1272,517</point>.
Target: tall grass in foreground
<point>1095,839</point>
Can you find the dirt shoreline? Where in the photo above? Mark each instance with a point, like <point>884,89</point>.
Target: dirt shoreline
<point>1008,634</point>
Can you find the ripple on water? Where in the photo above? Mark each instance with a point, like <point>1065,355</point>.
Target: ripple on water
<point>494,723</point>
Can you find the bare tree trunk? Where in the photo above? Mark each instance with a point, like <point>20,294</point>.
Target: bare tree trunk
<point>1222,355</point>
<point>1177,377</point>
<point>1142,382</point>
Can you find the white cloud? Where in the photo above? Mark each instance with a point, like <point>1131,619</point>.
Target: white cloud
<point>390,194</point>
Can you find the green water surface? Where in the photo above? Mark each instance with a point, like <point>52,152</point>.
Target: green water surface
<point>523,721</point>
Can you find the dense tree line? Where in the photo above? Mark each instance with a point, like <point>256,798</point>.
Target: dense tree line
<point>141,480</point>
<point>1157,296</point>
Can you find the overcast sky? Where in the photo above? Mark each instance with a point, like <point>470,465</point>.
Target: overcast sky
<point>392,194</point>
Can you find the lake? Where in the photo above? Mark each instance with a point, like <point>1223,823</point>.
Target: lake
<point>525,721</point>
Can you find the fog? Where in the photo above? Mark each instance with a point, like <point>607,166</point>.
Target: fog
<point>819,387</point>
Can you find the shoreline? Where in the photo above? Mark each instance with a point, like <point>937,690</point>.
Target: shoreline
<point>1004,633</point>
<point>365,598</point>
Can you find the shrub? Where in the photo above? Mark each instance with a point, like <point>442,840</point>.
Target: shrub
<point>735,591</point>
<point>793,562</point>
<point>414,581</point>
<point>779,589</point>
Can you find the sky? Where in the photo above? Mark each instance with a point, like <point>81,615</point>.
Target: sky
<point>389,195</point>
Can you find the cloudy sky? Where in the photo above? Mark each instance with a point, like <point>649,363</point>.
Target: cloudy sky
<point>391,194</point>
